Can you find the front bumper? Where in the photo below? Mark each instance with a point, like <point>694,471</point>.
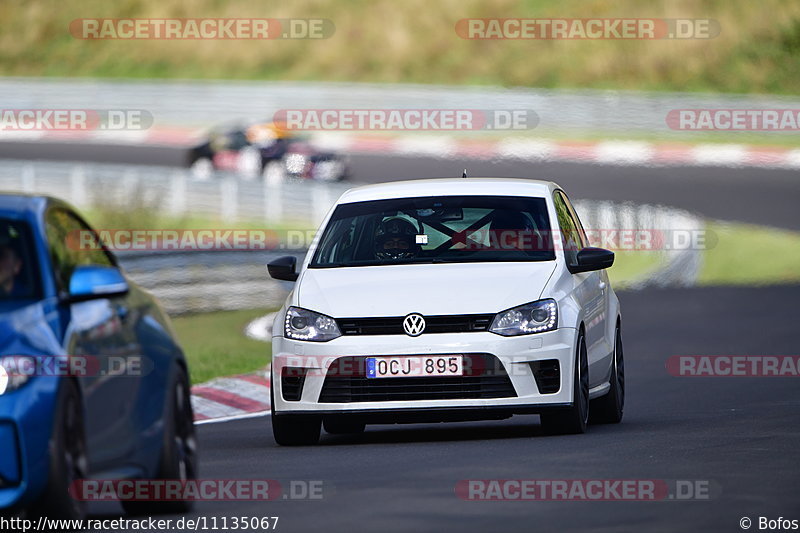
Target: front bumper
<point>26,419</point>
<point>514,354</point>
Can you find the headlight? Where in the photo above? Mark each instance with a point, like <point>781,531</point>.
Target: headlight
<point>15,371</point>
<point>534,317</point>
<point>305,325</point>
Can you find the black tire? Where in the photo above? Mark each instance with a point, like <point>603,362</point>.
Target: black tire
<point>342,425</point>
<point>608,409</point>
<point>179,451</point>
<point>68,458</point>
<point>574,419</point>
<point>293,430</point>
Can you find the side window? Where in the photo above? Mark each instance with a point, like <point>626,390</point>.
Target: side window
<point>19,270</point>
<point>71,243</point>
<point>581,232</point>
<point>572,235</point>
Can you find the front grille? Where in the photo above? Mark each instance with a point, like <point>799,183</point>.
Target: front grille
<point>433,324</point>
<point>547,375</point>
<point>484,377</point>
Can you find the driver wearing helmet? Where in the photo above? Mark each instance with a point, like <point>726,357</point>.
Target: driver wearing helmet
<point>395,239</point>
<point>512,230</point>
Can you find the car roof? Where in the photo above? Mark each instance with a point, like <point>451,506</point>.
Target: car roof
<point>26,205</point>
<point>450,187</point>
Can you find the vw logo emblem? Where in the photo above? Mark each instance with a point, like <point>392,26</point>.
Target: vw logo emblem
<point>414,324</point>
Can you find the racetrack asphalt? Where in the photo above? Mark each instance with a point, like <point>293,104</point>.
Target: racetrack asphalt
<point>740,435</point>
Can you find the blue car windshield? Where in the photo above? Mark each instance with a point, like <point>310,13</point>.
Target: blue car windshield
<point>443,229</point>
<point>19,273</point>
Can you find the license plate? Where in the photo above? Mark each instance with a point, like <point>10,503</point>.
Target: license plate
<point>415,366</point>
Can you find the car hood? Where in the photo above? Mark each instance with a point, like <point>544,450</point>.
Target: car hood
<point>439,289</point>
<point>24,330</point>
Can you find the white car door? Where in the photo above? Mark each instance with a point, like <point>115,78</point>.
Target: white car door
<point>590,290</point>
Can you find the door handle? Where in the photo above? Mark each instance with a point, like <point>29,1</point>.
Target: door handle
<point>602,285</point>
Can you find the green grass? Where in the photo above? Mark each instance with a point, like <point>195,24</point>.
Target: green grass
<point>152,218</point>
<point>757,51</point>
<point>631,266</point>
<point>738,254</point>
<point>751,255</point>
<point>215,344</point>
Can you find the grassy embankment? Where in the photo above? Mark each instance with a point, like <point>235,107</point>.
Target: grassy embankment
<point>414,41</point>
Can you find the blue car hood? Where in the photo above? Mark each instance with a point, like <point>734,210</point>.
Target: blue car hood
<point>24,330</point>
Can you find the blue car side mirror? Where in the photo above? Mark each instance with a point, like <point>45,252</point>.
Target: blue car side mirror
<point>93,281</point>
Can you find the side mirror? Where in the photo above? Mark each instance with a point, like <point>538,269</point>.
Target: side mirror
<point>283,268</point>
<point>593,259</point>
<point>94,281</point>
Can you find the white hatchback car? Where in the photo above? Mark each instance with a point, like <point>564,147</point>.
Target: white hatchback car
<point>447,300</point>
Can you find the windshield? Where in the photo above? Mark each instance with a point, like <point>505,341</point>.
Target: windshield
<point>19,277</point>
<point>451,229</point>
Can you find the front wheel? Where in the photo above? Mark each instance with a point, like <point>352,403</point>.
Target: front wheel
<point>179,451</point>
<point>608,409</point>
<point>68,458</point>
<point>575,418</point>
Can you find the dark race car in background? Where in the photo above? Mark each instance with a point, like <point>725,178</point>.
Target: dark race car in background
<point>265,150</point>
